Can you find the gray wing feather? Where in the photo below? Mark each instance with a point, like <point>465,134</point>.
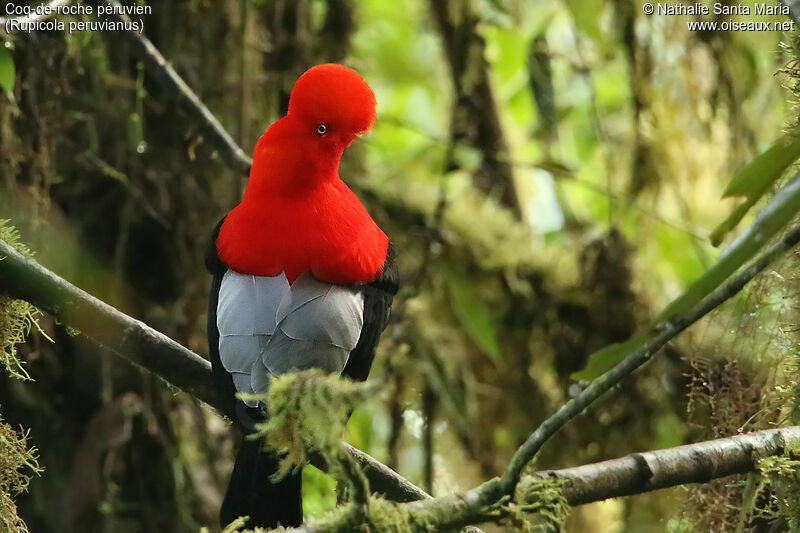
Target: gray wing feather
<point>285,354</point>
<point>248,304</point>
<point>268,328</point>
<point>319,324</point>
<point>321,312</point>
<point>246,312</point>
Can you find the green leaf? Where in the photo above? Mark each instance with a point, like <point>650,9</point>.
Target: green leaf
<point>7,71</point>
<point>473,314</point>
<point>606,358</point>
<point>584,14</point>
<point>755,179</point>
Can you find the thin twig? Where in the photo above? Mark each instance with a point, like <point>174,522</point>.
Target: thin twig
<point>692,463</point>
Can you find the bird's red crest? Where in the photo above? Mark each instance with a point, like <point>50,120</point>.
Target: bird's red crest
<point>336,95</point>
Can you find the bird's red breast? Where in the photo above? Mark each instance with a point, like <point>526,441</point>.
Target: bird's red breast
<point>297,215</point>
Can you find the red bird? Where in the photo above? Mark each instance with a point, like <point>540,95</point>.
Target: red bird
<point>302,277</point>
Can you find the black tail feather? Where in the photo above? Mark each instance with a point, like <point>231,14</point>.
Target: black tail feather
<point>252,493</point>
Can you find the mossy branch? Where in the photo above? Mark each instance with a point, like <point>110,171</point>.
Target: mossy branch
<point>549,494</point>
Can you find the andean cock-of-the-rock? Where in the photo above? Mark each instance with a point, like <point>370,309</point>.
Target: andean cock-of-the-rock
<point>303,277</point>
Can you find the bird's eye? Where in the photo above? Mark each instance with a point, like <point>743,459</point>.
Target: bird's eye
<point>322,129</point>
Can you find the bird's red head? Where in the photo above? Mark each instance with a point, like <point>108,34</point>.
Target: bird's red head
<point>329,107</point>
<point>335,99</point>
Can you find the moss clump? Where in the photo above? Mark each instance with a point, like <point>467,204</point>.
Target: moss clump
<point>781,486</point>
<point>16,319</point>
<point>237,525</point>
<point>308,411</point>
<point>16,316</point>
<point>17,464</point>
<point>792,81</point>
<point>382,517</point>
<point>539,505</point>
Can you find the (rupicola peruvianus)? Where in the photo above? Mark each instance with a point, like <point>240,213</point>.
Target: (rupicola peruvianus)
<point>302,277</point>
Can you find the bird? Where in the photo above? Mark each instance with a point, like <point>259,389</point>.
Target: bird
<point>302,278</point>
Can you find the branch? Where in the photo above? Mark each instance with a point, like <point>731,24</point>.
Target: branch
<point>693,463</point>
<point>644,472</point>
<point>117,333</point>
<point>172,83</point>
<point>475,117</point>
<point>25,279</point>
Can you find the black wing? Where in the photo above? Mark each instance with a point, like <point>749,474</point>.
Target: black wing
<point>378,296</point>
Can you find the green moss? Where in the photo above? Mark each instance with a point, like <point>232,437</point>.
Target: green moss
<point>307,412</point>
<point>539,505</point>
<point>382,516</point>
<point>17,464</point>
<point>781,488</point>
<point>16,316</point>
<point>17,461</point>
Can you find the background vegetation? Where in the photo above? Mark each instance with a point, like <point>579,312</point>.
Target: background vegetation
<point>549,171</point>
